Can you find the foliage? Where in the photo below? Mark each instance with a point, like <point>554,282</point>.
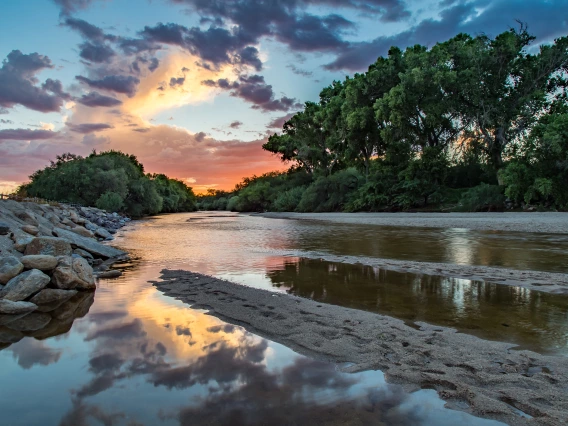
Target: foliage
<point>110,180</point>
<point>483,198</point>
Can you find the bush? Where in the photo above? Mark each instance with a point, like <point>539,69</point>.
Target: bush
<point>330,193</point>
<point>110,201</point>
<point>482,198</point>
<point>288,200</point>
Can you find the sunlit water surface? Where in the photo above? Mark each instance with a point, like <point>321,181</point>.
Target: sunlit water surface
<point>138,357</point>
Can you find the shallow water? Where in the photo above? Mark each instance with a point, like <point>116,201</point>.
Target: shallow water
<point>138,357</point>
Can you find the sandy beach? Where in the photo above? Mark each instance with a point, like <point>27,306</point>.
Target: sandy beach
<point>485,378</point>
<point>549,222</point>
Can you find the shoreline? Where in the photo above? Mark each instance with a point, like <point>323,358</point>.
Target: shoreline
<point>486,377</point>
<point>537,222</point>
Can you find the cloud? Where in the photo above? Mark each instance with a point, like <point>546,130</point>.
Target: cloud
<point>30,352</point>
<point>253,89</point>
<point>26,134</point>
<point>18,83</point>
<point>278,122</point>
<point>236,124</point>
<point>472,17</point>
<point>87,30</point>
<point>299,71</point>
<point>95,99</point>
<point>177,81</point>
<point>71,6</point>
<point>126,84</point>
<point>85,128</point>
<point>94,141</point>
<point>96,52</point>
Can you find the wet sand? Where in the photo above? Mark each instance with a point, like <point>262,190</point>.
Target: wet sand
<point>482,377</point>
<point>548,222</point>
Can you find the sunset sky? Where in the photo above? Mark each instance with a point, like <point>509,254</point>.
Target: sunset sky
<point>194,87</point>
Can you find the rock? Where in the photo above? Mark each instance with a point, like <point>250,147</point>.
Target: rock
<point>53,218</point>
<point>31,322</point>
<point>73,273</point>
<point>32,230</point>
<point>21,240</point>
<point>88,244</point>
<point>4,228</point>
<point>103,233</point>
<point>67,222</point>
<point>84,232</point>
<point>9,335</point>
<point>27,217</point>
<point>24,285</point>
<point>10,266</point>
<point>7,318</point>
<point>49,246</point>
<point>51,295</point>
<point>113,273</point>
<point>14,308</point>
<point>83,253</point>
<point>91,226</point>
<point>43,262</point>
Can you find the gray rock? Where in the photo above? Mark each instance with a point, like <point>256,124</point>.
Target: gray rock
<point>73,273</point>
<point>14,308</point>
<point>10,266</point>
<point>88,244</point>
<point>24,285</point>
<point>51,295</point>
<point>43,262</point>
<point>103,233</point>
<point>113,273</point>
<point>21,239</point>
<point>27,217</point>
<point>31,322</point>
<point>30,229</point>
<point>9,335</point>
<point>49,246</point>
<point>91,226</point>
<point>84,232</point>
<point>8,318</point>
<point>83,253</point>
<point>4,228</point>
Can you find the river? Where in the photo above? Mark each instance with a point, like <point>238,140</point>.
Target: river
<point>132,356</point>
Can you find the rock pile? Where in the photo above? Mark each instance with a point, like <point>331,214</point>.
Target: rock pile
<point>47,256</point>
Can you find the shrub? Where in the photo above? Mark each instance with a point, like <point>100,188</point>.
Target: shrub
<point>483,197</point>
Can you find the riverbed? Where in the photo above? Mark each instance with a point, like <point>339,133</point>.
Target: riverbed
<point>140,357</point>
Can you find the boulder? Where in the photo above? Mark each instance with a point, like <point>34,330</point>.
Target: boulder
<point>103,233</point>
<point>31,322</point>
<point>88,244</point>
<point>9,335</point>
<point>53,218</point>
<point>51,298</point>
<point>91,226</point>
<point>4,228</point>
<point>24,285</point>
<point>27,217</point>
<point>8,318</point>
<point>15,308</point>
<point>83,253</point>
<point>10,266</point>
<point>30,229</point>
<point>49,246</point>
<point>43,262</point>
<point>113,273</point>
<point>21,239</point>
<point>73,273</point>
<point>84,232</point>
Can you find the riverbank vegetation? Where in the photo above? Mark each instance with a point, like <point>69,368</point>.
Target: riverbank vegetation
<point>112,181</point>
<point>474,123</point>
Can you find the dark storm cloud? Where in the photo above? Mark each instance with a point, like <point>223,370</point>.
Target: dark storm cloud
<point>85,128</point>
<point>126,84</point>
<point>254,89</point>
<point>18,83</point>
<point>153,65</point>
<point>26,134</point>
<point>543,19</point>
<point>249,56</point>
<point>95,99</point>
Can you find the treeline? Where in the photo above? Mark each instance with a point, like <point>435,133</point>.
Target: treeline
<point>112,181</point>
<point>474,123</point>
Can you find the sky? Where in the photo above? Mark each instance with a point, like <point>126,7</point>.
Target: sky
<point>193,88</point>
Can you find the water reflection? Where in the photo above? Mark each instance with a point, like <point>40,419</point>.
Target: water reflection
<point>139,358</point>
<point>534,320</point>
